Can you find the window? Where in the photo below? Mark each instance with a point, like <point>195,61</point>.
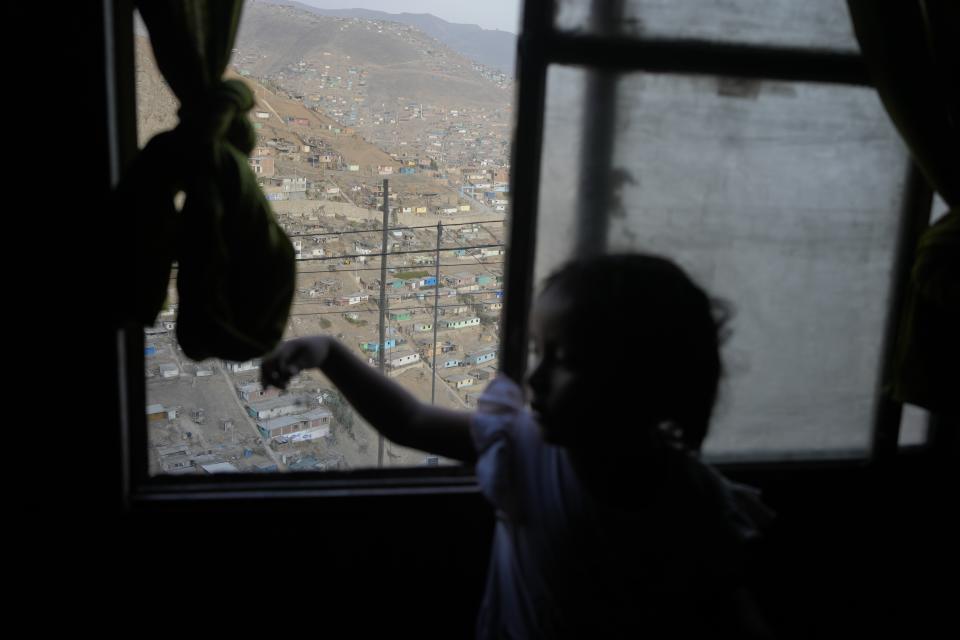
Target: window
<point>743,141</point>
<point>367,109</point>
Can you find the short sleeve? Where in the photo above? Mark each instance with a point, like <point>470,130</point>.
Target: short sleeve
<point>493,427</point>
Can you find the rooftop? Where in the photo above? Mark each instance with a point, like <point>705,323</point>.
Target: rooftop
<point>286,421</point>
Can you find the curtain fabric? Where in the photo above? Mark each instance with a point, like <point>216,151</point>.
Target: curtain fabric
<point>235,266</point>
<point>912,48</point>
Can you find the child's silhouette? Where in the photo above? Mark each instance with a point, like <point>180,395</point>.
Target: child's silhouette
<point>608,524</point>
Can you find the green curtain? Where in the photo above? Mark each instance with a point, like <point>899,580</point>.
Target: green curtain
<point>235,266</point>
<point>912,49</point>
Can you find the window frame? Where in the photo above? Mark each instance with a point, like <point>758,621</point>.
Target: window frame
<point>539,45</point>
<point>542,45</point>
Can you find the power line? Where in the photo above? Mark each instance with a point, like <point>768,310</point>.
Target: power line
<point>399,253</point>
<point>379,229</point>
<point>377,310</point>
<point>407,267</point>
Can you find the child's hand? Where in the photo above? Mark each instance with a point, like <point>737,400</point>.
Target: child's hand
<point>292,357</point>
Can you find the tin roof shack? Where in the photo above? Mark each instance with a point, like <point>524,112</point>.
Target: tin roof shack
<point>175,459</point>
<point>254,392</point>
<point>305,426</point>
<point>169,370</point>
<point>356,297</point>
<point>481,356</point>
<point>461,380</point>
<point>402,358</point>
<point>263,166</point>
<point>219,467</point>
<point>484,373</point>
<point>276,407</point>
<point>462,323</point>
<point>374,347</point>
<point>238,367</point>
<point>159,413</point>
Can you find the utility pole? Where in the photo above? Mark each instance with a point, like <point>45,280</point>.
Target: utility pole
<point>436,309</point>
<point>383,301</point>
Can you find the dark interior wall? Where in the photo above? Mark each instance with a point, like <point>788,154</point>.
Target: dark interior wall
<point>855,552</point>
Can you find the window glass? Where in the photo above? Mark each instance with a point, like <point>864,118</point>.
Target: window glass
<point>914,425</point>
<point>343,103</point>
<point>781,198</point>
<point>818,24</point>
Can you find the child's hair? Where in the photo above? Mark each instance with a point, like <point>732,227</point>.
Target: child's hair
<point>665,330</point>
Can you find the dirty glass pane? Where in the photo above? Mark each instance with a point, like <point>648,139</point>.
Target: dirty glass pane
<point>781,198</point>
<point>817,24</point>
<point>914,425</point>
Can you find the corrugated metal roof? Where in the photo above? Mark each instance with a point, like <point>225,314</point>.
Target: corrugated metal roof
<point>286,421</point>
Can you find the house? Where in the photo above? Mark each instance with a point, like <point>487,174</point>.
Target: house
<point>219,467</point>
<point>428,281</point>
<point>484,279</point>
<point>352,298</point>
<point>463,323</point>
<point>374,347</point>
<point>276,407</point>
<point>449,363</point>
<point>398,315</point>
<point>254,392</point>
<point>454,310</point>
<point>263,166</point>
<point>484,373</point>
<point>461,380</point>
<point>169,370</point>
<point>305,426</point>
<point>263,115</point>
<point>481,356</point>
<point>238,367</point>
<point>423,326</point>
<point>402,359</point>
<point>158,413</point>
<point>459,279</point>
<point>420,210</point>
<point>353,167</point>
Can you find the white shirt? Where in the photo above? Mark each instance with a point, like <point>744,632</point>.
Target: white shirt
<point>563,565</point>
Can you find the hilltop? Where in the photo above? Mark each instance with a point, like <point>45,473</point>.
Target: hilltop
<point>490,47</point>
<point>395,60</point>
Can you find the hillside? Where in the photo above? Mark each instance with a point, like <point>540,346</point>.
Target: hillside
<point>395,60</point>
<point>157,107</point>
<point>490,47</point>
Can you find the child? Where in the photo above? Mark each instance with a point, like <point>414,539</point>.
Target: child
<point>608,525</point>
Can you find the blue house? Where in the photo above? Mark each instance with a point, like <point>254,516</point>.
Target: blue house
<point>374,347</point>
<point>481,356</point>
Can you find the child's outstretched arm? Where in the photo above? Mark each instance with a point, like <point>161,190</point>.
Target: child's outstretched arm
<point>383,403</point>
